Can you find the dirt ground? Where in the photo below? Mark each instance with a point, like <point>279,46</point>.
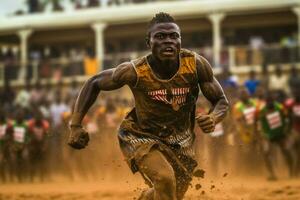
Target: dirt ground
<point>101,174</point>
<point>224,188</point>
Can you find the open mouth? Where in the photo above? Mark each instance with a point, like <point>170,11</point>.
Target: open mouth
<point>168,51</point>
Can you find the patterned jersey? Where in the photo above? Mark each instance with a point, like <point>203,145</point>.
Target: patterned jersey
<point>164,105</point>
<point>164,109</point>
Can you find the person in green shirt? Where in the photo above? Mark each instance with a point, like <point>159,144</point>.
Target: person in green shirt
<point>271,122</point>
<point>19,148</point>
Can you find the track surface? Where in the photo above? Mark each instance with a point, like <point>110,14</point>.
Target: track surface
<point>220,189</point>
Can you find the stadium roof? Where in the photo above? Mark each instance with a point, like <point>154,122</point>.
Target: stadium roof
<point>137,13</point>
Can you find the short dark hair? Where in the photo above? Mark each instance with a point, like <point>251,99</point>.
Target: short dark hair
<point>160,17</point>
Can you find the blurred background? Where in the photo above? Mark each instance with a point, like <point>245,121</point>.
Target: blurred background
<point>48,48</point>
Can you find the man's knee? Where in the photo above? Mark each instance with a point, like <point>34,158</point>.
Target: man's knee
<point>165,181</point>
<point>156,167</point>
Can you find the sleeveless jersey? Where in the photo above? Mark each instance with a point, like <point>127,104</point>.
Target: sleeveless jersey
<point>20,133</point>
<point>246,111</point>
<point>164,107</point>
<point>272,122</point>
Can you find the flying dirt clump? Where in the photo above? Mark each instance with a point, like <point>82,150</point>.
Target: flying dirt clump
<point>199,173</point>
<point>198,186</point>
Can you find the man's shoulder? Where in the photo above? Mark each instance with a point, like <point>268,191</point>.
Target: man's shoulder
<point>187,53</point>
<point>125,73</point>
<point>140,61</point>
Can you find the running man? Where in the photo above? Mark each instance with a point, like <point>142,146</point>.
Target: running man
<point>5,142</point>
<point>244,115</point>
<point>157,136</point>
<point>293,106</point>
<point>272,121</point>
<point>38,128</point>
<point>19,147</point>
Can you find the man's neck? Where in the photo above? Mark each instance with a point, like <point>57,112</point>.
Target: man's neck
<point>163,69</point>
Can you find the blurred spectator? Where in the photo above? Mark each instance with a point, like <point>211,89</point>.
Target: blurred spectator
<point>36,94</point>
<point>23,96</point>
<point>241,56</point>
<point>76,62</point>
<point>57,108</point>
<point>77,4</point>
<point>48,92</point>
<point>288,41</point>
<point>91,64</point>
<point>10,65</point>
<point>93,3</point>
<point>62,67</point>
<point>56,4</point>
<point>33,6</point>
<point>288,46</point>
<point>294,79</point>
<point>73,91</point>
<point>35,55</point>
<point>45,69</point>
<point>278,83</point>
<point>44,107</point>
<point>229,80</point>
<point>256,44</point>
<point>7,94</point>
<point>111,115</point>
<point>252,83</point>
<point>264,77</point>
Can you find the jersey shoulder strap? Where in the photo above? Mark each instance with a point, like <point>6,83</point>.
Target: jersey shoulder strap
<point>187,62</point>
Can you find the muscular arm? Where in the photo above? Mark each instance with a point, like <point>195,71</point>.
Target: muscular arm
<point>106,80</point>
<point>211,89</point>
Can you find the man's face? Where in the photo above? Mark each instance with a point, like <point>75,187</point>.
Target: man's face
<point>165,41</point>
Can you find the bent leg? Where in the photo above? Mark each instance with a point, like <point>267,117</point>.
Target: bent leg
<point>155,166</point>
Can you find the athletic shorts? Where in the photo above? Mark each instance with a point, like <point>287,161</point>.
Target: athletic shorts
<point>179,152</point>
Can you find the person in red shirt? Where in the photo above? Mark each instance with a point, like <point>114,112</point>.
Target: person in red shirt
<point>38,128</point>
<point>293,106</point>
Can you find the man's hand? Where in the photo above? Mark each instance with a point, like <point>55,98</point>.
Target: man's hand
<point>78,138</point>
<point>206,122</point>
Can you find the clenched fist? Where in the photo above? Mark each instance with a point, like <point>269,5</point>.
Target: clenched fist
<point>78,138</point>
<point>206,122</point>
